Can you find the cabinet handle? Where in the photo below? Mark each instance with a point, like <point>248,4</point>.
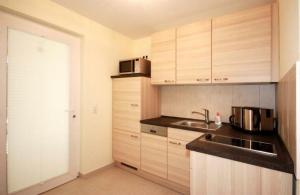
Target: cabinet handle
<point>169,81</point>
<point>134,105</point>
<point>217,79</point>
<point>134,136</point>
<point>153,131</point>
<point>225,79</point>
<point>175,143</point>
<point>206,79</point>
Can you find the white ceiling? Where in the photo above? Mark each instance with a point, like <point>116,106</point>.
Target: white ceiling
<point>139,18</point>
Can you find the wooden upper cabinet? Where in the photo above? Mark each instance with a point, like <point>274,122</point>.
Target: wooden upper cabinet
<point>241,46</point>
<point>163,65</point>
<point>194,53</point>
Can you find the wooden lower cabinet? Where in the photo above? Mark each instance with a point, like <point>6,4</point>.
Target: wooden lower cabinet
<point>126,147</point>
<point>179,156</point>
<point>154,154</point>
<point>276,182</point>
<point>178,162</point>
<point>211,175</point>
<point>242,174</point>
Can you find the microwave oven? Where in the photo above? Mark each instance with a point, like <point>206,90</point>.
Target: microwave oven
<point>136,65</point>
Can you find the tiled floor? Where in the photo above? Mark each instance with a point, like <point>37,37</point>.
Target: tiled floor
<point>113,181</point>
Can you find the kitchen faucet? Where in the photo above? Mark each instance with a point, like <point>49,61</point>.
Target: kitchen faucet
<point>205,114</point>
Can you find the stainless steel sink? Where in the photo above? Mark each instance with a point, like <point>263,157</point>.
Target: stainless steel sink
<point>197,124</point>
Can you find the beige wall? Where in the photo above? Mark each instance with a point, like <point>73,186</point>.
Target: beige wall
<point>101,50</point>
<point>142,47</point>
<point>289,34</point>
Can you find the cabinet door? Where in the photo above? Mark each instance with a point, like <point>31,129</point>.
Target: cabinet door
<point>215,175</point>
<point>126,104</point>
<point>276,182</point>
<point>245,179</point>
<point>163,57</point>
<point>194,53</point>
<point>154,154</point>
<point>126,147</point>
<point>241,46</point>
<point>178,162</point>
<point>210,175</point>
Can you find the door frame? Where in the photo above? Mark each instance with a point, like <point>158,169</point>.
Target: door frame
<point>8,21</point>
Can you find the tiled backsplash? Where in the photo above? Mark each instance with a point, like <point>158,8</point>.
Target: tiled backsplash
<point>181,100</point>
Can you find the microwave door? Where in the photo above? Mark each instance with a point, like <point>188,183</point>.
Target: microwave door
<point>126,67</point>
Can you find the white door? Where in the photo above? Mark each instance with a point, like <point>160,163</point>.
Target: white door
<point>42,108</point>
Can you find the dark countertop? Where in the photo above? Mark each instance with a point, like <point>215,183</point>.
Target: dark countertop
<point>281,162</point>
<point>130,75</point>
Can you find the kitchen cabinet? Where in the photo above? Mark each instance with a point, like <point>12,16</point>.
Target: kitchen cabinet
<point>215,175</point>
<point>133,99</point>
<point>241,46</point>
<point>126,102</point>
<point>242,173</point>
<point>179,156</point>
<point>163,67</point>
<point>178,162</point>
<point>126,147</point>
<point>275,182</point>
<point>194,53</point>
<point>154,154</point>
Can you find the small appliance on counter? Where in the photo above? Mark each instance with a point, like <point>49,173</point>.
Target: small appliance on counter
<point>253,119</point>
<point>135,65</point>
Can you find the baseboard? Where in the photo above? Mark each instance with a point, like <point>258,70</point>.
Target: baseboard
<point>155,179</point>
<point>97,171</point>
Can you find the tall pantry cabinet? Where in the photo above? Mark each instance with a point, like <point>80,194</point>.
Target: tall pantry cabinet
<point>133,99</point>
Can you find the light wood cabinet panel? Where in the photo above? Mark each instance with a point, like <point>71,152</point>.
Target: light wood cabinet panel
<point>178,162</point>
<point>150,100</point>
<point>276,182</point>
<point>126,104</point>
<point>154,154</point>
<point>246,179</point>
<point>215,175</point>
<point>194,53</point>
<point>218,175</point>
<point>184,135</point>
<point>126,147</point>
<point>163,53</point>
<point>179,156</point>
<point>133,99</point>
<point>241,46</point>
